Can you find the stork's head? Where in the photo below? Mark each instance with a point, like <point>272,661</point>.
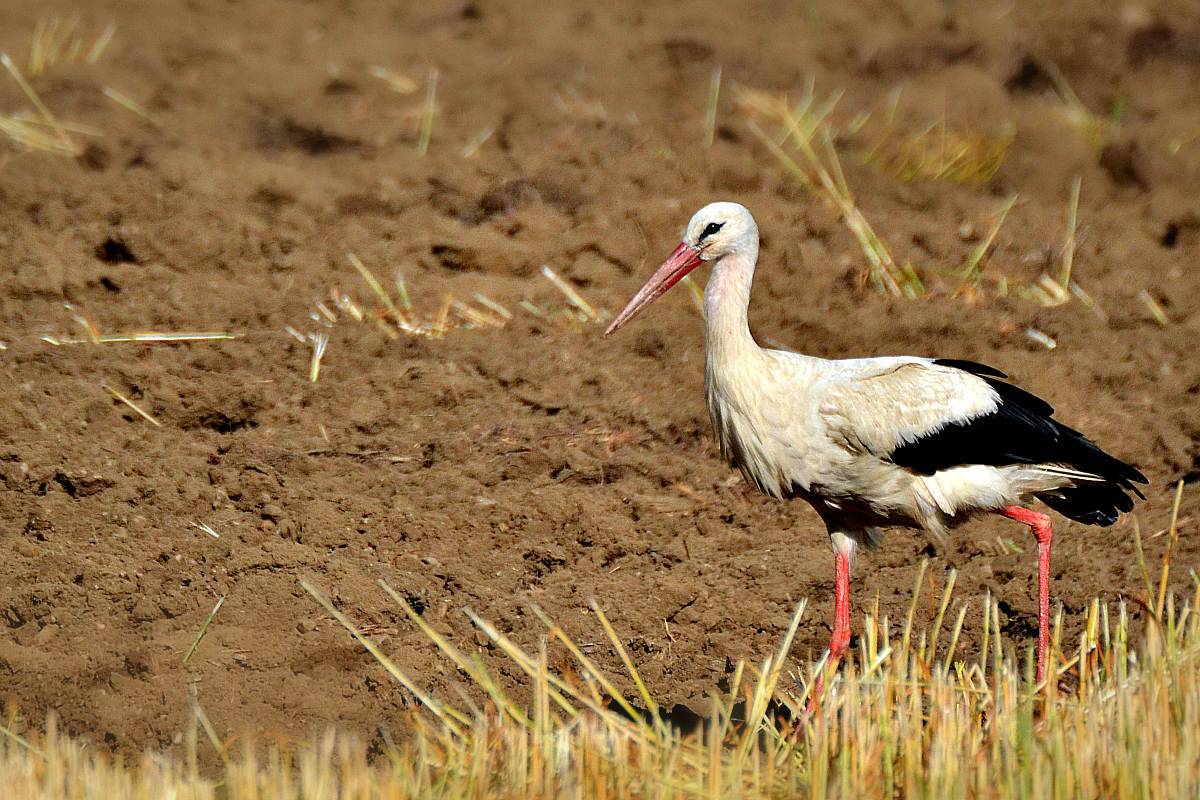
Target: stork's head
<point>715,231</point>
<point>719,229</point>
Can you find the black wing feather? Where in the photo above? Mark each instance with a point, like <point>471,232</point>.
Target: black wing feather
<point>973,367</point>
<point>1021,431</point>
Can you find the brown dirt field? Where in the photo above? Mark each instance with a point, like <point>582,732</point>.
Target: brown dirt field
<point>535,464</point>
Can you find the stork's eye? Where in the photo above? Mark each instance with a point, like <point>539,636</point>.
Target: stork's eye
<point>710,229</point>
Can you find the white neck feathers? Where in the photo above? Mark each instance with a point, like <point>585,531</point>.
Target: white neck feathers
<point>727,302</point>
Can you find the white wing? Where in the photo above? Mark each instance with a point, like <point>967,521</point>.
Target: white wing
<point>875,405</point>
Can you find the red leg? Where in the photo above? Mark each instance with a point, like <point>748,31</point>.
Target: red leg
<point>1040,525</point>
<point>840,639</point>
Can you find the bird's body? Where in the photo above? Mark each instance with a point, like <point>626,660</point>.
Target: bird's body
<point>879,442</point>
<point>897,441</point>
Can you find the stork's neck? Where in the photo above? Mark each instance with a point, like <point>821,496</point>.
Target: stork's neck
<point>726,303</point>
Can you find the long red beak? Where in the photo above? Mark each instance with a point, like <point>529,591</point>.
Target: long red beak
<point>685,259</point>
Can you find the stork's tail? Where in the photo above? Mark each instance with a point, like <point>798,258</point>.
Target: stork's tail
<point>1092,503</point>
<point>1100,485</point>
<point>1099,496</point>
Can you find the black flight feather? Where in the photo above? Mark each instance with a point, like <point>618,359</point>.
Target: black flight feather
<point>973,367</point>
<point>1021,431</point>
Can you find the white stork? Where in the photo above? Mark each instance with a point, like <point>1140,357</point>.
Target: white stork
<point>880,442</point>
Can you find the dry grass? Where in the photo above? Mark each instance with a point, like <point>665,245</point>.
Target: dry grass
<point>802,135</point>
<point>92,334</point>
<point>56,41</point>
<point>710,109</point>
<point>208,620</point>
<point>425,132</point>
<point>939,151</point>
<point>398,82</point>
<point>907,717</point>
<point>39,129</point>
<point>391,317</point>
<point>59,41</point>
<point>1096,129</point>
<point>131,105</point>
<point>819,169</point>
<point>396,315</point>
<point>970,272</point>
<point>136,408</point>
